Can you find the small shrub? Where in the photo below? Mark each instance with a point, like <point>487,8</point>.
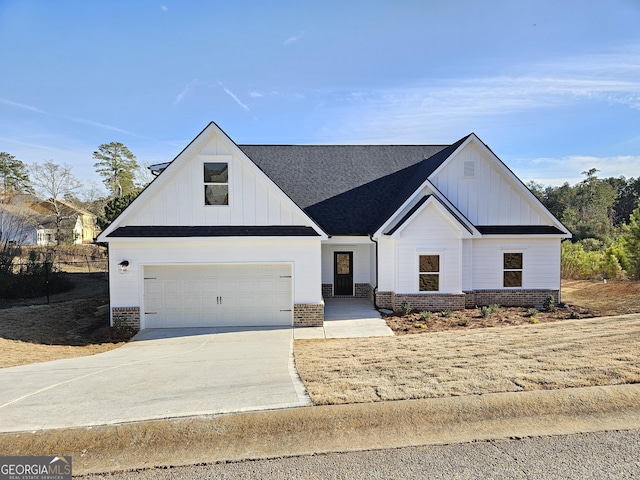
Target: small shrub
<point>534,320</point>
<point>406,307</point>
<point>532,313</point>
<point>575,316</point>
<point>549,303</point>
<point>419,325</point>
<point>465,322</point>
<point>487,310</point>
<point>426,315</point>
<point>446,313</point>
<point>120,326</point>
<point>6,263</point>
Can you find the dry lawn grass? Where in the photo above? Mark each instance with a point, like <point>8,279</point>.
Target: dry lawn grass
<point>573,353</point>
<point>68,327</point>
<point>603,299</point>
<point>463,361</point>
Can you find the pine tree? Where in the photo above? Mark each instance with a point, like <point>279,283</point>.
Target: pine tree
<point>117,166</point>
<point>14,176</point>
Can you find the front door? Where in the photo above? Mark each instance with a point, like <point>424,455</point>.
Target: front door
<point>343,268</point>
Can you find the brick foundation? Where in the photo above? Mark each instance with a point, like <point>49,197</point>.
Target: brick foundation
<point>384,300</point>
<point>308,314</point>
<point>469,299</point>
<point>430,301</point>
<point>363,290</point>
<point>127,315</point>
<point>510,298</point>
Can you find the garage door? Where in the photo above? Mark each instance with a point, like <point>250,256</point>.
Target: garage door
<point>217,295</point>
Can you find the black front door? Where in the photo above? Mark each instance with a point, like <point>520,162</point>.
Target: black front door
<point>343,268</point>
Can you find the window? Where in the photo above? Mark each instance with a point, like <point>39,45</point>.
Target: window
<point>512,270</point>
<point>429,276</point>
<point>216,184</point>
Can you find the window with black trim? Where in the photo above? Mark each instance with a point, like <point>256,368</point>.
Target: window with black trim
<point>216,183</point>
<point>512,270</point>
<point>429,275</point>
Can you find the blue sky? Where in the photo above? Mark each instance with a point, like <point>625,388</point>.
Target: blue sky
<point>553,87</point>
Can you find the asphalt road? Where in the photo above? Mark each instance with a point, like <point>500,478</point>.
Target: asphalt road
<point>599,455</point>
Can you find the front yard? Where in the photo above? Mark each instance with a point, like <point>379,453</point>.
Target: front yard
<point>563,354</point>
<point>460,359</point>
<point>75,324</point>
<point>456,355</point>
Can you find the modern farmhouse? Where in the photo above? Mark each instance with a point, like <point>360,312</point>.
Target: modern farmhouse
<point>258,235</point>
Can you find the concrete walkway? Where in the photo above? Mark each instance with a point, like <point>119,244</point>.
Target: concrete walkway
<point>347,318</point>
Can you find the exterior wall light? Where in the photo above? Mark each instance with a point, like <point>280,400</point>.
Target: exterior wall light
<point>123,266</point>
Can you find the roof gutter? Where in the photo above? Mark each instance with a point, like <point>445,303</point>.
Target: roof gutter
<point>375,288</point>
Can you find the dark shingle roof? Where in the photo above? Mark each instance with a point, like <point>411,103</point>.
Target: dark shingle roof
<point>213,231</point>
<point>349,189</point>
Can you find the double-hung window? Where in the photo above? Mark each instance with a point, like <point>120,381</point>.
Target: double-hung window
<point>512,270</point>
<point>216,183</point>
<point>429,275</point>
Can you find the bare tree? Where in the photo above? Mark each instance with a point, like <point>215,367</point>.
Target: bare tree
<point>143,175</point>
<point>53,182</point>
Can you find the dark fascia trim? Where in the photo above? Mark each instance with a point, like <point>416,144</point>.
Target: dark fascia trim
<point>408,215</point>
<point>213,231</point>
<point>519,230</point>
<point>421,202</point>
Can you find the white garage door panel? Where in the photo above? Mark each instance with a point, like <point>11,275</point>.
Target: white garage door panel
<point>218,295</point>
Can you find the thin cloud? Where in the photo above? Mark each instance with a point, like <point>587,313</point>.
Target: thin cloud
<point>408,113</point>
<point>570,167</point>
<point>104,126</point>
<point>293,39</point>
<point>22,106</point>
<point>234,96</point>
<point>164,8</point>
<point>185,90</point>
<point>82,121</point>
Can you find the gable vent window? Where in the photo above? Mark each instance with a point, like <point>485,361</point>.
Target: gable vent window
<point>216,183</point>
<point>469,169</point>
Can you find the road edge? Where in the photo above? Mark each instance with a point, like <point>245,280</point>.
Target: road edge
<point>335,428</point>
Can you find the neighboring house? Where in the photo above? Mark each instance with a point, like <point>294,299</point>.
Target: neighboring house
<point>76,224</point>
<point>18,225</point>
<point>259,234</point>
<point>70,227</point>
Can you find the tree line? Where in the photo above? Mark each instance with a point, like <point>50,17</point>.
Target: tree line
<point>604,216</point>
<point>122,176</point>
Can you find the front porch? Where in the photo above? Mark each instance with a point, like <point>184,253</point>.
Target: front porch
<point>347,318</point>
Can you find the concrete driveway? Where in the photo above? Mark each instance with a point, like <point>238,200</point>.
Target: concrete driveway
<point>161,374</point>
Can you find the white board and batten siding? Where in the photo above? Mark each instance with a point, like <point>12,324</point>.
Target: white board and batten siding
<point>178,197</point>
<point>484,192</point>
<point>429,233</point>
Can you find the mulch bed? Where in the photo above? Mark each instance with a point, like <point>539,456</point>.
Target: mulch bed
<point>415,323</point>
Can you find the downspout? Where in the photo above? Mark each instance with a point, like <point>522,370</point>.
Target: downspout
<point>375,288</point>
